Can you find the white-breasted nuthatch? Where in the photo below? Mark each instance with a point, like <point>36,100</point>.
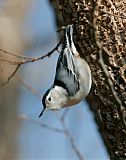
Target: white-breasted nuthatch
<point>72,81</point>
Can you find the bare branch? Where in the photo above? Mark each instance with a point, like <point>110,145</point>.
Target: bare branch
<point>71,140</point>
<point>27,60</point>
<point>33,59</point>
<point>14,54</point>
<point>45,126</point>
<point>64,114</point>
<point>11,76</point>
<point>64,130</point>
<point>9,61</point>
<point>29,87</point>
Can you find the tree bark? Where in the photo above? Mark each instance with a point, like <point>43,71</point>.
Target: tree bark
<point>100,37</point>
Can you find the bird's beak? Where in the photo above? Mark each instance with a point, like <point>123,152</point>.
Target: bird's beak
<point>44,109</point>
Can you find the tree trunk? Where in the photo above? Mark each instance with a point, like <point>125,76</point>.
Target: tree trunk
<point>100,37</point>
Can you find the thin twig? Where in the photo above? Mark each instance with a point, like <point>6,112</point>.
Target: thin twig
<point>11,76</point>
<point>33,59</point>
<point>45,126</point>
<point>64,114</point>
<point>28,60</point>
<point>118,101</point>
<point>8,61</point>
<point>108,75</point>
<point>14,54</point>
<point>29,87</point>
<point>61,29</point>
<point>101,62</point>
<point>64,130</point>
<point>72,142</point>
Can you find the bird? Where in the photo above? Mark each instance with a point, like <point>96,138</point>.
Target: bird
<point>72,81</point>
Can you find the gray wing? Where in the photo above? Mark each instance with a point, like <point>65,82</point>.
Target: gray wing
<point>66,72</point>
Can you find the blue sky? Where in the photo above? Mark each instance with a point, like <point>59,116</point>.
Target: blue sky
<point>36,142</point>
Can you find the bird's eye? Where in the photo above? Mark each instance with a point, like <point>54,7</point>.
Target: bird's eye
<point>49,99</point>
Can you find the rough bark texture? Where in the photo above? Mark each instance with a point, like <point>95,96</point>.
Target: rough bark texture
<point>100,32</point>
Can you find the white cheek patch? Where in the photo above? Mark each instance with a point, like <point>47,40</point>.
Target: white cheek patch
<point>56,96</point>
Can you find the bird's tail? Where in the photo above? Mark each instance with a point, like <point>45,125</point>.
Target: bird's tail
<point>68,39</point>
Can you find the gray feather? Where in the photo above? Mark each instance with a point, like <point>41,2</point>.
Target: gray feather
<point>66,73</point>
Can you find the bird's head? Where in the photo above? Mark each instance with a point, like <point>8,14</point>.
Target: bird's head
<point>53,99</point>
